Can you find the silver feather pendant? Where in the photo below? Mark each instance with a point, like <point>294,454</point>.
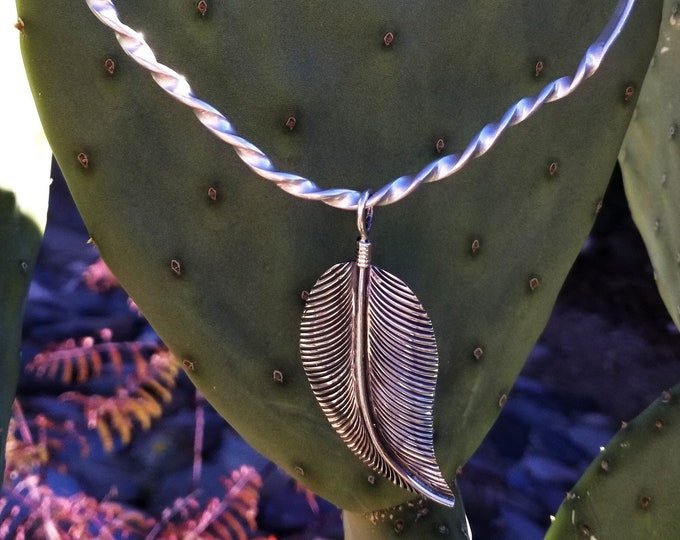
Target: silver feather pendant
<point>369,351</point>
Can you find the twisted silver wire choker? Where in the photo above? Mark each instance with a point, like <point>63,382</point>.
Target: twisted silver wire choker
<point>177,86</point>
<point>367,346</point>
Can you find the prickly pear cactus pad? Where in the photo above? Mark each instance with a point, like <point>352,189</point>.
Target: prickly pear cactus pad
<point>650,160</point>
<point>630,490</point>
<point>24,182</point>
<point>350,94</point>
<point>414,520</point>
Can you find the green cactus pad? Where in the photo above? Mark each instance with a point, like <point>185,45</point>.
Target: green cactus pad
<point>217,257</point>
<point>650,160</point>
<point>24,174</point>
<point>630,489</point>
<point>417,520</point>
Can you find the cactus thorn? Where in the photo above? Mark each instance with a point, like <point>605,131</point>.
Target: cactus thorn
<point>291,122</point>
<point>604,465</point>
<point>598,207</point>
<point>371,479</point>
<point>478,353</point>
<point>388,39</point>
<point>399,526</point>
<point>552,168</point>
<point>628,93</point>
<point>624,424</point>
<point>443,530</point>
<point>440,145</point>
<point>645,501</point>
<point>672,131</point>
<point>538,68</point>
<point>212,193</point>
<point>658,424</point>
<point>19,25</point>
<point>475,246</point>
<point>299,470</point>
<point>110,65</point>
<point>304,295</point>
<point>176,266</point>
<point>503,400</point>
<point>534,283</point>
<point>278,376</point>
<point>202,7</point>
<point>84,160</point>
<point>188,364</point>
<point>585,530</point>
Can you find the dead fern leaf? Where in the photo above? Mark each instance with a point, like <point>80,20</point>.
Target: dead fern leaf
<point>22,452</point>
<point>139,401</point>
<point>32,510</point>
<point>31,443</point>
<point>233,517</point>
<point>106,414</point>
<point>80,361</point>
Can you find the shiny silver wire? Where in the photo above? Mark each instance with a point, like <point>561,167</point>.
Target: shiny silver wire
<point>364,215</point>
<point>177,86</point>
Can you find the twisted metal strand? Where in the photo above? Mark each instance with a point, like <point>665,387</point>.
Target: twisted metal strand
<point>177,86</point>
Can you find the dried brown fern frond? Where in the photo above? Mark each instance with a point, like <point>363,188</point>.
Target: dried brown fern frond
<point>32,511</point>
<point>32,442</point>
<point>233,517</point>
<point>139,401</point>
<point>23,454</point>
<point>79,361</point>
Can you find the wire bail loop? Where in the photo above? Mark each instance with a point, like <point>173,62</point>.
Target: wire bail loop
<point>364,215</point>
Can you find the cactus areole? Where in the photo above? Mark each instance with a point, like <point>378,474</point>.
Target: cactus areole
<point>367,345</point>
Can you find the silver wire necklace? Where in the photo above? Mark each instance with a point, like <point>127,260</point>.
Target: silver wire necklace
<point>368,347</point>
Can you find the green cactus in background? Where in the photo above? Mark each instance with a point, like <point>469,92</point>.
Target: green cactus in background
<point>650,161</point>
<point>353,95</point>
<point>23,209</point>
<point>630,489</point>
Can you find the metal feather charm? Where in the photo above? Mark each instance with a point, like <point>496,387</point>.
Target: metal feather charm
<point>369,351</point>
